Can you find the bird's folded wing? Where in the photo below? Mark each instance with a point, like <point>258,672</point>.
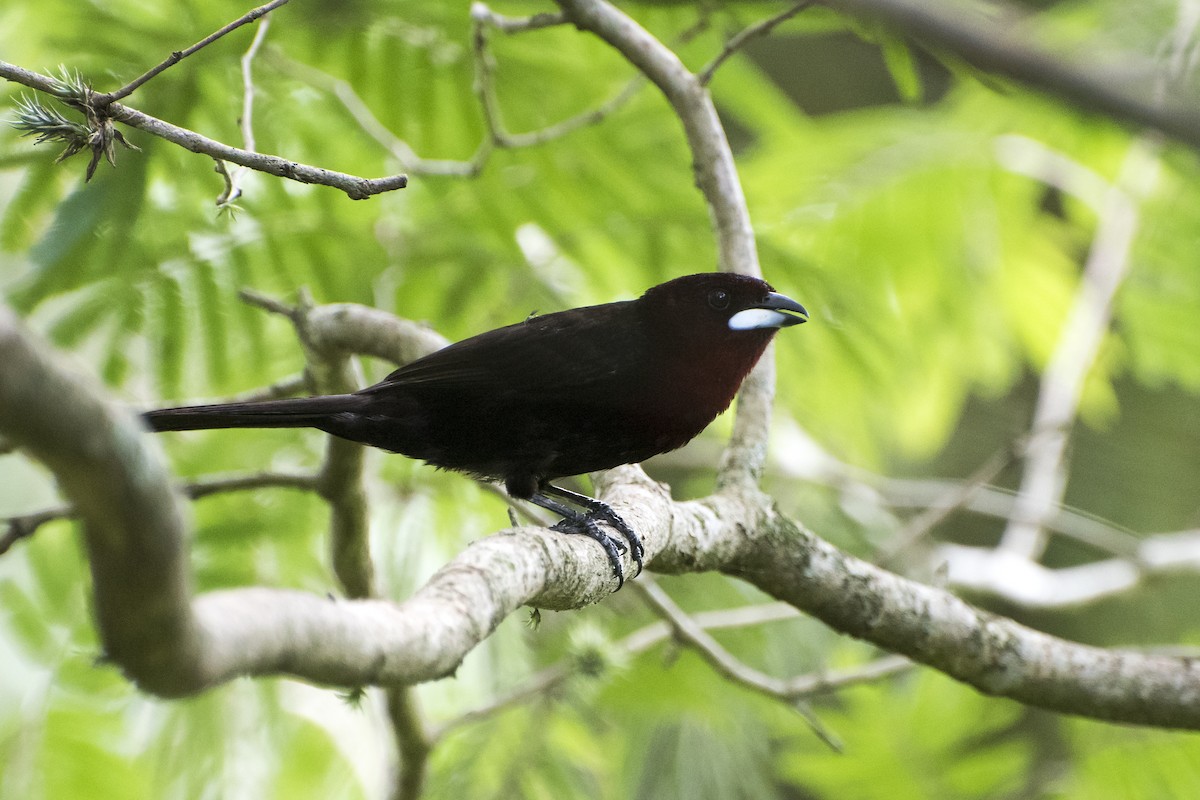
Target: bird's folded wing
<point>543,355</point>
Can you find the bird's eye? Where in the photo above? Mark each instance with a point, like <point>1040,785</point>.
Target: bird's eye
<point>718,299</point>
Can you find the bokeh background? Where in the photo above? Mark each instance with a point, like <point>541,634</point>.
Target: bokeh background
<point>891,193</point>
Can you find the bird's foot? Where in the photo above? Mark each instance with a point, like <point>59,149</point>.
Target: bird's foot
<point>588,524</point>
<point>603,512</point>
<point>614,547</point>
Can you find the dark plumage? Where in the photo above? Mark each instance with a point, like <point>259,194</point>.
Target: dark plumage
<point>556,395</point>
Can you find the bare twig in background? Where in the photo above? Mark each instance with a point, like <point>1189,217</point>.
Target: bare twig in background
<point>480,12</point>
<point>990,37</point>
<point>737,42</point>
<point>548,680</point>
<point>1045,475</point>
<point>799,457</point>
<point>1017,580</point>
<point>285,387</point>
<point>791,691</point>
<point>240,483</point>
<point>413,743</point>
<point>232,189</point>
<point>690,629</point>
<point>370,124</point>
<point>1130,560</point>
<point>497,135</point>
<point>179,55</point>
<point>485,88</point>
<point>919,525</point>
<point>26,525</point>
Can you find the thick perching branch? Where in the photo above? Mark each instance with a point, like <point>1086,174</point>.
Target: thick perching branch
<point>340,482</point>
<point>173,644</point>
<point>134,524</point>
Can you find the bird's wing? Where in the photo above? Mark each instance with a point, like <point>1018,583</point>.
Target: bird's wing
<point>547,355</point>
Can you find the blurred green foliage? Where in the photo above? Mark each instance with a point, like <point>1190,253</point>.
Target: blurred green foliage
<point>937,279</point>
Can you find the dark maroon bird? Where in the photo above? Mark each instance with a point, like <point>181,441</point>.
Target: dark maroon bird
<point>556,395</point>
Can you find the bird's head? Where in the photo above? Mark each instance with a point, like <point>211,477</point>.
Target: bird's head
<point>714,327</point>
<point>721,306</point>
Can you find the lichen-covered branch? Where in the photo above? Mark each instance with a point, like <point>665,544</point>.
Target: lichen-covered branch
<point>174,644</point>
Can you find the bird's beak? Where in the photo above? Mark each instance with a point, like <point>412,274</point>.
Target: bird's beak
<point>775,311</point>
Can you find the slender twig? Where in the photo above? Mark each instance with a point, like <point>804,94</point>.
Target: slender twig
<point>497,135</point>
<point>791,691</point>
<point>268,303</point>
<point>987,500</point>
<point>285,387</point>
<point>480,12</point>
<point>580,120</point>
<point>371,125</point>
<point>232,190</point>
<point>704,14</point>
<point>247,64</point>
<point>919,525</point>
<point>540,685</point>
<point>26,525</point>
<point>728,665</point>
<point>484,18</point>
<point>179,55</point>
<point>356,188</point>
<point>207,487</point>
<point>749,34</point>
<point>1029,157</point>
<point>546,681</point>
<point>1025,583</point>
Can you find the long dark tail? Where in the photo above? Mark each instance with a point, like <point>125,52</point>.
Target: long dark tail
<point>300,412</point>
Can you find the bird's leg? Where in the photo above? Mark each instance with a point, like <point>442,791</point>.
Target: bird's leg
<point>575,522</point>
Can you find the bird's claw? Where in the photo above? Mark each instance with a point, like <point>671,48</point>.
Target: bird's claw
<point>614,548</point>
<point>587,523</point>
<point>604,512</point>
